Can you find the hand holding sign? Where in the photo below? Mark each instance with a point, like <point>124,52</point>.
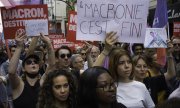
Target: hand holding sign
<point>34,27</point>
<point>110,40</point>
<point>20,37</point>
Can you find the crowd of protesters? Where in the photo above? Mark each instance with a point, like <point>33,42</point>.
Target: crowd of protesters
<point>118,76</point>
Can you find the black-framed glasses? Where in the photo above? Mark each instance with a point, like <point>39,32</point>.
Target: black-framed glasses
<point>175,44</point>
<point>65,55</point>
<point>28,62</point>
<point>83,53</point>
<point>107,87</point>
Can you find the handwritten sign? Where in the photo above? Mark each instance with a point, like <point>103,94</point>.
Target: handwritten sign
<point>126,17</point>
<point>155,38</point>
<point>15,18</point>
<point>35,27</point>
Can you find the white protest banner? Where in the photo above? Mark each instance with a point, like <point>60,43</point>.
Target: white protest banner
<point>155,38</point>
<point>126,17</point>
<point>35,27</point>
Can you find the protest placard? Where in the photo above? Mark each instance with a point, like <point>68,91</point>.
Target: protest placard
<point>155,38</point>
<point>126,17</point>
<point>34,27</point>
<point>176,29</point>
<point>72,26</point>
<point>14,18</point>
<point>58,42</point>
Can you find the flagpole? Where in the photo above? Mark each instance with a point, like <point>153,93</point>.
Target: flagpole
<point>168,34</point>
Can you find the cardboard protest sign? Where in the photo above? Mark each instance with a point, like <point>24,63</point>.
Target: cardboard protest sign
<point>14,19</point>
<point>176,29</point>
<point>126,17</point>
<point>155,38</point>
<point>72,23</point>
<point>34,27</point>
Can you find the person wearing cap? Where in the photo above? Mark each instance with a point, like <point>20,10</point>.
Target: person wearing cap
<point>25,89</point>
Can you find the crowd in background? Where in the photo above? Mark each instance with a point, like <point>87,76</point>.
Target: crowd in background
<point>119,75</point>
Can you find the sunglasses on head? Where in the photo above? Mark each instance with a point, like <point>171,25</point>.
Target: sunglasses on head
<point>65,55</point>
<point>28,62</point>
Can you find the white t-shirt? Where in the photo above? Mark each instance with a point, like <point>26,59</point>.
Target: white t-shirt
<point>134,95</point>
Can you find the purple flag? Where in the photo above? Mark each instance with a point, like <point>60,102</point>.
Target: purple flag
<point>160,21</point>
<point>160,17</point>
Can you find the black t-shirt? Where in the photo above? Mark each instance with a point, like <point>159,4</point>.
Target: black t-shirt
<point>155,85</point>
<point>29,96</point>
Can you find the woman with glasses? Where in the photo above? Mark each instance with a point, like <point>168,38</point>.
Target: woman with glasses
<point>58,91</point>
<point>97,89</point>
<point>132,94</point>
<point>25,89</point>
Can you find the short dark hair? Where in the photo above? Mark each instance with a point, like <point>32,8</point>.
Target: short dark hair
<point>62,47</point>
<point>136,44</point>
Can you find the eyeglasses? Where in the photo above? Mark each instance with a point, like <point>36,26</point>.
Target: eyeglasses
<point>28,62</point>
<point>83,53</point>
<point>107,87</point>
<point>176,44</point>
<point>65,55</point>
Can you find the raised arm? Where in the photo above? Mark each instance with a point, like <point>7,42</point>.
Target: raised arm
<point>110,40</point>
<point>51,56</point>
<point>13,64</point>
<point>32,46</point>
<point>50,50</point>
<point>170,63</point>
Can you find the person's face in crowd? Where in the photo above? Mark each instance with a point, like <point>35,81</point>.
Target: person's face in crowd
<point>150,51</point>
<point>13,49</point>
<point>60,88</point>
<point>64,58</point>
<point>31,66</point>
<point>140,69</point>
<point>138,50</point>
<point>94,52</point>
<point>79,63</point>
<point>155,62</point>
<point>83,54</point>
<point>124,68</point>
<point>176,45</point>
<point>106,89</point>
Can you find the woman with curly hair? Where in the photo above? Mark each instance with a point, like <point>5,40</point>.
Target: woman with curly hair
<point>97,89</point>
<point>58,91</point>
